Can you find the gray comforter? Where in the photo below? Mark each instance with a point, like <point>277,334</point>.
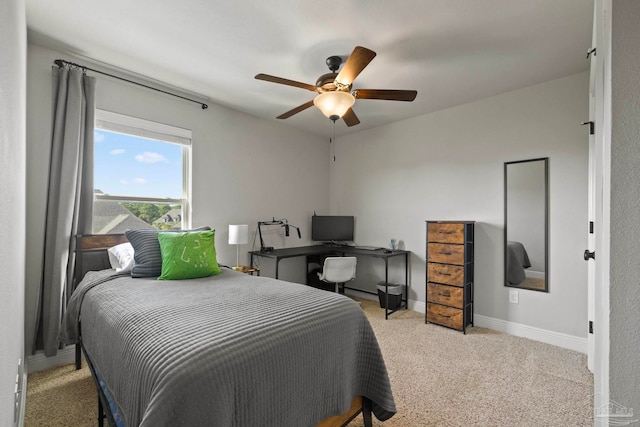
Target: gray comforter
<point>230,350</point>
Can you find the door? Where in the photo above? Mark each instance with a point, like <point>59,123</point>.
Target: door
<point>599,203</point>
<point>589,254</point>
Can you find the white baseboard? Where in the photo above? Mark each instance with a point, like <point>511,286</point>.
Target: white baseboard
<point>23,399</point>
<point>362,295</point>
<point>558,339</point>
<point>39,362</point>
<point>418,306</point>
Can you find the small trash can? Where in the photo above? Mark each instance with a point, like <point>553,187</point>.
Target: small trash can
<point>395,295</point>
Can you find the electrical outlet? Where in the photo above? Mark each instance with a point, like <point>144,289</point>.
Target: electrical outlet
<point>513,297</point>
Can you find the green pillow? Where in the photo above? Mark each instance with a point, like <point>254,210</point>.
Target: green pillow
<point>188,255</point>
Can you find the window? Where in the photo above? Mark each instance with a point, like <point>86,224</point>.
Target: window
<point>141,174</point>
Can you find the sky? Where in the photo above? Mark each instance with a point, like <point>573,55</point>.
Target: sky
<point>127,165</point>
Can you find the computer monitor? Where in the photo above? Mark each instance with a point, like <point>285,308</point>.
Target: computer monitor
<point>332,228</point>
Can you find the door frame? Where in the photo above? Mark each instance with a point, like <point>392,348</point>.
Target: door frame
<point>599,302</point>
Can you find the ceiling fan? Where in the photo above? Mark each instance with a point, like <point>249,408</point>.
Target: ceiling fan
<point>335,95</point>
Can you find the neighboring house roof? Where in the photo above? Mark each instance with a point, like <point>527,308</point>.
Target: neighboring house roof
<point>111,217</point>
<point>174,215</point>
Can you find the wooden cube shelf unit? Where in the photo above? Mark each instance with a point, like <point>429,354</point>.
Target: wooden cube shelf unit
<point>449,273</point>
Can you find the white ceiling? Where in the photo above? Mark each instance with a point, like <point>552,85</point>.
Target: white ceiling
<point>450,51</point>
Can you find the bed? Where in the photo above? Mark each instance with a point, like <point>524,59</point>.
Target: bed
<point>228,350</point>
<point>517,261</point>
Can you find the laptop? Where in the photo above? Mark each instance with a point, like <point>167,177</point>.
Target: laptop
<point>369,248</point>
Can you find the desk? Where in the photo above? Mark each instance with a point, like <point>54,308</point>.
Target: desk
<point>329,250</point>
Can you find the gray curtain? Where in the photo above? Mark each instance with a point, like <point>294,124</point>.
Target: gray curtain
<point>70,197</point>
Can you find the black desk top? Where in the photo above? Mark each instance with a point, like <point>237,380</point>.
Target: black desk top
<point>327,249</point>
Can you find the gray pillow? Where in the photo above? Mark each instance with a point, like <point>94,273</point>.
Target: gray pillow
<point>147,258</point>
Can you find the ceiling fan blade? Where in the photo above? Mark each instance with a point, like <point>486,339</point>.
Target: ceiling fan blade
<point>350,118</point>
<point>296,110</point>
<point>357,61</point>
<point>386,94</point>
<point>274,79</point>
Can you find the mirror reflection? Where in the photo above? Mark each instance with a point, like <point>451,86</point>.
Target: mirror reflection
<point>526,224</point>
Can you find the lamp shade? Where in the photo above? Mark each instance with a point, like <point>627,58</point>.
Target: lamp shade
<point>238,234</point>
<point>334,104</point>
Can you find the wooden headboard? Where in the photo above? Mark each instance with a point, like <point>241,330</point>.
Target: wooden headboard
<point>91,252</point>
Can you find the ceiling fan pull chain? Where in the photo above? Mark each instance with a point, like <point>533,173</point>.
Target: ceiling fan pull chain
<point>333,138</point>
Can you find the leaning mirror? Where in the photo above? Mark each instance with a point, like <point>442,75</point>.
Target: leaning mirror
<point>526,215</point>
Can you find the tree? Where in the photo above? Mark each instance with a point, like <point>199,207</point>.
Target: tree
<point>148,212</point>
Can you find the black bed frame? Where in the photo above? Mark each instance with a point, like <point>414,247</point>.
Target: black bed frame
<point>94,246</point>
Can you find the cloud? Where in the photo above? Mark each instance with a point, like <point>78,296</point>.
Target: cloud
<point>139,181</point>
<point>117,151</point>
<point>98,137</point>
<point>124,182</point>
<point>148,157</point>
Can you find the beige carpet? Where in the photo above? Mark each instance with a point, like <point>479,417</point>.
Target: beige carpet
<point>61,397</point>
<point>439,377</point>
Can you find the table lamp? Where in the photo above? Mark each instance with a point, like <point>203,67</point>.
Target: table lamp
<point>238,235</point>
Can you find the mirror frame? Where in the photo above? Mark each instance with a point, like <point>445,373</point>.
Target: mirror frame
<point>546,223</point>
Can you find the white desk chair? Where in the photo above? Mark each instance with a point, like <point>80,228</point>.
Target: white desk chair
<point>339,270</point>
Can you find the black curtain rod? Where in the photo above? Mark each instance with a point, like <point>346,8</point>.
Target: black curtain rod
<point>60,63</point>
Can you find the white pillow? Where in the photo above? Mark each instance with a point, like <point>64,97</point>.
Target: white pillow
<point>121,257</point>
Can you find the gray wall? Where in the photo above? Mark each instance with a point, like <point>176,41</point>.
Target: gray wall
<point>624,356</point>
<point>448,165</point>
<point>244,169</point>
<point>12,209</point>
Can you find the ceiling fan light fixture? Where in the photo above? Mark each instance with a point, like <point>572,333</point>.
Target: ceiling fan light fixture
<point>334,104</point>
<point>335,95</point>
